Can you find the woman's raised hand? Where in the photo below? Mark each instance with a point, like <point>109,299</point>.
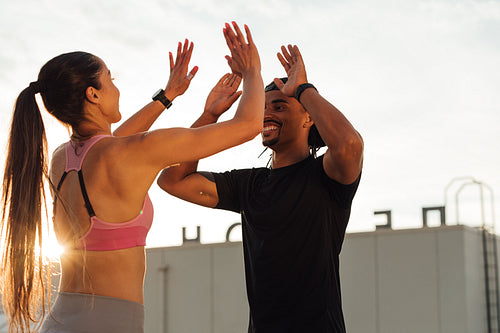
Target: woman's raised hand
<point>179,79</point>
<point>244,57</point>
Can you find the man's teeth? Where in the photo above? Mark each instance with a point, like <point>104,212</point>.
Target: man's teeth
<point>270,128</point>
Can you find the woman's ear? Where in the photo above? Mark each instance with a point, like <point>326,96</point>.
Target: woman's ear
<point>92,95</point>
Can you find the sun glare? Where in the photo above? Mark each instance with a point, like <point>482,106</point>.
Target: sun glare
<point>51,249</point>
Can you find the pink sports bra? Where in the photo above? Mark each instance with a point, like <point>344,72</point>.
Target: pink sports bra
<point>105,236</point>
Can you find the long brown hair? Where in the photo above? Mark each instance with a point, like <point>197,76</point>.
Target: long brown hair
<point>62,83</point>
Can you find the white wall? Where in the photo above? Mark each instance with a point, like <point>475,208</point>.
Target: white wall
<point>201,290</point>
<point>418,280</point>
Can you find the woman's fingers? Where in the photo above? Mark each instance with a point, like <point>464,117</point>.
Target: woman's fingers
<point>188,53</point>
<point>230,37</point>
<point>244,55</point>
<point>184,52</point>
<point>178,53</point>
<point>171,58</point>
<point>249,35</point>
<point>239,36</point>
<point>192,73</point>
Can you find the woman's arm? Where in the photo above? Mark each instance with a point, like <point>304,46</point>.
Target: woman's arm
<point>183,180</point>
<point>148,153</point>
<point>178,83</point>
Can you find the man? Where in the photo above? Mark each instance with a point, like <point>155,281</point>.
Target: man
<point>294,215</point>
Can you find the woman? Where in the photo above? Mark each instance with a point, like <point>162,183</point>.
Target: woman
<point>100,182</point>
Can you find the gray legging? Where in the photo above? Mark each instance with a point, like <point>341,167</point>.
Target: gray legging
<point>83,313</point>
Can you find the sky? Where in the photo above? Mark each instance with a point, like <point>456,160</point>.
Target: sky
<point>418,79</point>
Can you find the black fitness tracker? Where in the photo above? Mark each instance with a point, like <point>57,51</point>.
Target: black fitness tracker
<point>160,96</point>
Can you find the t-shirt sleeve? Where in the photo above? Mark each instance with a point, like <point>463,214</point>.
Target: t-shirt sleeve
<point>229,186</point>
<point>342,194</point>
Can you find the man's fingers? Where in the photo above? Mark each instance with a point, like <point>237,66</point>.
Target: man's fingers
<point>285,53</point>
<point>234,81</point>
<point>283,62</point>
<point>234,97</point>
<point>237,80</point>
<point>297,52</point>
<point>278,83</point>
<point>223,79</point>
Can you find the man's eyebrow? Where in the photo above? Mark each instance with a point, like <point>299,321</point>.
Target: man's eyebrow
<point>278,101</point>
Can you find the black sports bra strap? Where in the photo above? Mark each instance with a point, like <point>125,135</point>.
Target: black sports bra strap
<point>58,188</point>
<point>90,210</point>
<point>62,179</point>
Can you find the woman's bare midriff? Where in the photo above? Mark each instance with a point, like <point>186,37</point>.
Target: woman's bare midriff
<point>118,273</point>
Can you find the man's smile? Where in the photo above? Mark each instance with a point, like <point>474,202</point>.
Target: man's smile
<point>270,125</point>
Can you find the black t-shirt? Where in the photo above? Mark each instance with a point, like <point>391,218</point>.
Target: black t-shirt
<point>293,221</point>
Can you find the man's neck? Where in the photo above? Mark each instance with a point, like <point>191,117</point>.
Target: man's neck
<point>283,158</point>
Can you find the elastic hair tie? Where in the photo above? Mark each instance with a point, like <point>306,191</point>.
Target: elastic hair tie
<point>35,86</point>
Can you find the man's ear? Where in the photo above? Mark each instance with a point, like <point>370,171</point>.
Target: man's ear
<point>92,95</point>
<point>309,122</point>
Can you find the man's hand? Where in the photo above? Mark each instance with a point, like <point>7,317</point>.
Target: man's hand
<point>179,79</point>
<point>292,62</point>
<point>223,95</point>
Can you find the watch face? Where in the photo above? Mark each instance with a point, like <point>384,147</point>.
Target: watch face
<point>155,95</point>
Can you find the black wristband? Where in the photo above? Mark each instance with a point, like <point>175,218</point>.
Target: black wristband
<point>301,88</point>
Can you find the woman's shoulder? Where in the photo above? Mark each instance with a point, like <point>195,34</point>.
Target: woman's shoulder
<point>59,150</point>
<point>58,162</point>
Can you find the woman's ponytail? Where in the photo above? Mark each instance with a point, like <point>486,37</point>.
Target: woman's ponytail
<point>23,197</point>
<point>62,83</point>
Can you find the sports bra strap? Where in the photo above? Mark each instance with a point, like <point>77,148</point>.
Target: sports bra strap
<point>89,207</point>
<point>74,163</point>
<point>62,179</point>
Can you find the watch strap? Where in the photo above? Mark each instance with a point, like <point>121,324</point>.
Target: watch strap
<point>160,96</point>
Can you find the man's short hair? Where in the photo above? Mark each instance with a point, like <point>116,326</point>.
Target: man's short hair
<point>314,140</point>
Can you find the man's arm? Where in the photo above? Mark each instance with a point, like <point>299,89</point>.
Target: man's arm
<point>343,159</point>
<point>178,83</point>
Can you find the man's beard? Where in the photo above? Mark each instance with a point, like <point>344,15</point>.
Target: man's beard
<point>271,142</point>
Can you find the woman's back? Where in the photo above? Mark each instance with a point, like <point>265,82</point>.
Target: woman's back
<point>116,273</point>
